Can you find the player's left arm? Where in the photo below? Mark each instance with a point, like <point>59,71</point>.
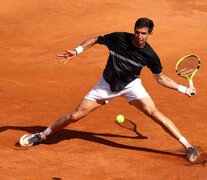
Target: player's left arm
<point>167,82</point>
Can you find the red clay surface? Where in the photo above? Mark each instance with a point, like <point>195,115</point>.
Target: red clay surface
<point>35,89</point>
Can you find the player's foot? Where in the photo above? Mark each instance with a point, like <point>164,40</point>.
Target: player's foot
<point>192,154</point>
<point>30,139</point>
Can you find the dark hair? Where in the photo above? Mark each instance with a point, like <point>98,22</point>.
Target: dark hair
<point>145,22</point>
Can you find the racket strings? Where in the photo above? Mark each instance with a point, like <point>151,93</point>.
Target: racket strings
<point>187,66</point>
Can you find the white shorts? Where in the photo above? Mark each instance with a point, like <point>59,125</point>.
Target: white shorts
<point>102,91</point>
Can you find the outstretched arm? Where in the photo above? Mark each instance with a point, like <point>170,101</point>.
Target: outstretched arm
<point>69,54</point>
<point>165,81</point>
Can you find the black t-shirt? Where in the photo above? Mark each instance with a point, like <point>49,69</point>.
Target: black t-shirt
<point>125,61</point>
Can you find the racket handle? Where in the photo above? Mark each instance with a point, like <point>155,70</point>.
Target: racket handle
<point>192,92</point>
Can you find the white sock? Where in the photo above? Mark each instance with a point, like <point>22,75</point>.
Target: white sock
<point>46,133</point>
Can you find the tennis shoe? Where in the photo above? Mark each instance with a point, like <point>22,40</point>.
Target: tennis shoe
<point>30,139</point>
<point>192,154</point>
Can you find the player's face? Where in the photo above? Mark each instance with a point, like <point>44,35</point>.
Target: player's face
<point>140,36</point>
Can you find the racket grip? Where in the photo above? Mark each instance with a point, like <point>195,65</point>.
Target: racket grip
<point>192,92</point>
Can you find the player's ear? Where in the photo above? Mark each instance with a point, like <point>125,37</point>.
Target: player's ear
<point>150,34</point>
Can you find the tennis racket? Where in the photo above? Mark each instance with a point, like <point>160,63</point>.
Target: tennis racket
<point>187,67</point>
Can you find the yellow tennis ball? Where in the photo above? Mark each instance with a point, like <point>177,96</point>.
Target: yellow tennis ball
<point>119,118</point>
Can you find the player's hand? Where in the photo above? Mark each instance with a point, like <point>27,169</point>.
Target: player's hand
<point>191,91</point>
<point>66,56</point>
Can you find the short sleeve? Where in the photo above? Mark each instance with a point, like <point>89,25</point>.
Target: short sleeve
<point>155,65</point>
<point>109,39</point>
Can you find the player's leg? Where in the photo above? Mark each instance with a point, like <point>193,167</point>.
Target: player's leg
<point>137,96</point>
<point>98,96</point>
<point>85,107</point>
<point>147,106</point>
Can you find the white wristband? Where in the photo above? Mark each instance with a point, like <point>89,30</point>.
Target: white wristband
<point>79,49</point>
<point>182,89</point>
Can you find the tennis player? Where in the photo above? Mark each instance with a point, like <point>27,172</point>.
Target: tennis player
<point>128,54</point>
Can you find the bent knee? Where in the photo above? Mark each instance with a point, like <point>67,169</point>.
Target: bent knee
<point>155,113</point>
<point>75,116</point>
<point>71,117</point>
<point>152,112</point>
<point>158,117</point>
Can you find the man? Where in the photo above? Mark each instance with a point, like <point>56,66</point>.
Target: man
<point>129,53</point>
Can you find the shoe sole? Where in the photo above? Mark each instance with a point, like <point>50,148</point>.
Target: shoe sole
<point>193,158</point>
<point>24,140</point>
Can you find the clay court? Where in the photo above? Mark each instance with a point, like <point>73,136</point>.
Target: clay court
<point>36,89</point>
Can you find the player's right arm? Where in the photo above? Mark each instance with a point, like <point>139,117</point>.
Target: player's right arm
<point>166,81</point>
<point>69,54</point>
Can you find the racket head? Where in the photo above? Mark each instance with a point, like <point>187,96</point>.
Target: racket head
<point>187,66</point>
